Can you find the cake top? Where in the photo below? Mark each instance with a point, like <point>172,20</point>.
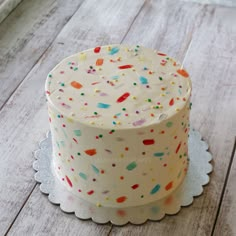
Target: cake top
<point>118,86</point>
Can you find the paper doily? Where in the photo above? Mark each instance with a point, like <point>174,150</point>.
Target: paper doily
<point>192,186</point>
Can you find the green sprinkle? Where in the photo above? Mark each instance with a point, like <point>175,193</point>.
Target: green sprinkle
<point>137,46</point>
<point>95,113</point>
<point>149,99</point>
<point>58,116</point>
<point>124,109</point>
<point>78,153</point>
<point>160,78</point>
<point>135,49</point>
<point>180,156</point>
<point>50,76</point>
<point>76,68</point>
<point>69,63</point>
<point>82,94</point>
<point>157,107</point>
<point>142,196</point>
<point>100,135</point>
<point>134,84</point>
<point>91,67</point>
<point>62,84</point>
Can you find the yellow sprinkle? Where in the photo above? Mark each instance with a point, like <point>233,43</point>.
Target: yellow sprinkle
<point>98,204</point>
<point>123,74</point>
<point>107,198</point>
<point>172,82</point>
<point>162,94</point>
<point>82,56</point>
<point>118,122</point>
<point>134,97</point>
<point>96,90</point>
<point>177,109</point>
<point>121,155</point>
<point>92,122</point>
<point>153,180</point>
<point>99,68</point>
<point>70,120</point>
<point>160,106</point>
<point>133,70</point>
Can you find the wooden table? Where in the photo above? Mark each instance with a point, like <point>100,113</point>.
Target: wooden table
<point>38,34</point>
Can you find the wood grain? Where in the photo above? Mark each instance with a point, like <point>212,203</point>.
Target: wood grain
<point>24,118</point>
<point>211,60</point>
<point>225,224</point>
<point>24,37</point>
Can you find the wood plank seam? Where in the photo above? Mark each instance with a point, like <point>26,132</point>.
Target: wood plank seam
<point>224,187</point>
<point>40,56</point>
<point>27,198</point>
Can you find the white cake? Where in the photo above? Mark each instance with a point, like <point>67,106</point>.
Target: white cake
<point>119,118</point>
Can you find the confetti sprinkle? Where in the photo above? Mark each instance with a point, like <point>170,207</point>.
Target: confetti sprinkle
<point>158,154</point>
<point>76,85</point>
<point>183,72</point>
<point>97,49</point>
<point>148,141</point>
<point>125,67</point>
<point>143,80</point>
<point>121,199</point>
<point>114,50</point>
<point>169,186</point>
<point>91,152</point>
<point>155,189</point>
<point>123,97</point>
<point>103,105</point>
<point>69,181</point>
<point>131,166</point>
<point>83,175</point>
<point>139,122</point>
<point>77,132</point>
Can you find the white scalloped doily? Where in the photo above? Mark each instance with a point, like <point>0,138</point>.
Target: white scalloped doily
<point>197,176</point>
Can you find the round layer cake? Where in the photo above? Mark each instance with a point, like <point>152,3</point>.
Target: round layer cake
<point>119,118</point>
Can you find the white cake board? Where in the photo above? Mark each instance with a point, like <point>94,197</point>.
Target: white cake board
<point>197,176</point>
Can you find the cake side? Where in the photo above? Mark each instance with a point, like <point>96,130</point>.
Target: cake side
<point>123,142</point>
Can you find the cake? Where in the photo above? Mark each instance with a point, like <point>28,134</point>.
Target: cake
<point>119,119</point>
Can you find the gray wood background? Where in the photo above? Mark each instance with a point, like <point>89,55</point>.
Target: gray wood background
<point>40,33</point>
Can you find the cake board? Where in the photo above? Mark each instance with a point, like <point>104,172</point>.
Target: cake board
<point>192,186</point>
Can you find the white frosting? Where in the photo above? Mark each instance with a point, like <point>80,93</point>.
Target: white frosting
<point>119,121</point>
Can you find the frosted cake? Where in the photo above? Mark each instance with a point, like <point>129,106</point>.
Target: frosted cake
<point>119,118</point>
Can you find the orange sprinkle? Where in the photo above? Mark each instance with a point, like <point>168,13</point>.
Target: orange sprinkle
<point>121,199</point>
<point>183,72</point>
<point>76,85</point>
<point>99,62</point>
<point>169,186</point>
<point>91,152</point>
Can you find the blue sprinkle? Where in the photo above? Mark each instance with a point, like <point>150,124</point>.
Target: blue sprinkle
<point>158,154</point>
<point>118,114</point>
<point>77,132</point>
<point>155,209</point>
<point>155,189</point>
<point>96,170</point>
<point>115,77</point>
<point>143,80</point>
<point>82,175</point>
<point>114,50</point>
<point>103,105</point>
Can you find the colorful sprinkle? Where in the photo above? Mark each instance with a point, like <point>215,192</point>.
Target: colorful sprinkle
<point>178,147</point>
<point>77,132</point>
<point>169,124</point>
<point>97,49</point>
<point>76,85</point>
<point>123,97</point>
<point>114,50</point>
<point>99,62</point>
<point>83,176</point>
<point>169,186</point>
<point>131,166</point>
<point>125,67</point>
<point>139,122</point>
<point>148,141</point>
<point>90,192</point>
<point>155,189</point>
<point>121,199</point>
<point>158,154</point>
<point>171,102</point>
<point>91,152</point>
<point>103,105</point>
<point>183,72</point>
<point>143,80</point>
<point>135,186</point>
<point>69,181</point>
<point>95,169</point>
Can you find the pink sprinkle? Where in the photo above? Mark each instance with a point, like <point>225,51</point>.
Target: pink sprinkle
<point>103,94</point>
<point>139,122</point>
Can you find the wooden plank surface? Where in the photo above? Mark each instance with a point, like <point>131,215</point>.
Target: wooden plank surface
<point>25,35</point>
<point>201,35</point>
<point>225,224</point>
<point>211,60</point>
<point>24,119</point>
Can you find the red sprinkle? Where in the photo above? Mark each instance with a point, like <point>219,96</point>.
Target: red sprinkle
<point>123,97</point>
<point>91,152</point>
<point>121,199</point>
<point>97,49</point>
<point>125,67</point>
<point>135,186</point>
<point>148,141</point>
<point>75,140</point>
<point>169,186</point>
<point>161,54</point>
<point>90,192</point>
<point>171,103</point>
<point>177,149</point>
<point>69,181</point>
